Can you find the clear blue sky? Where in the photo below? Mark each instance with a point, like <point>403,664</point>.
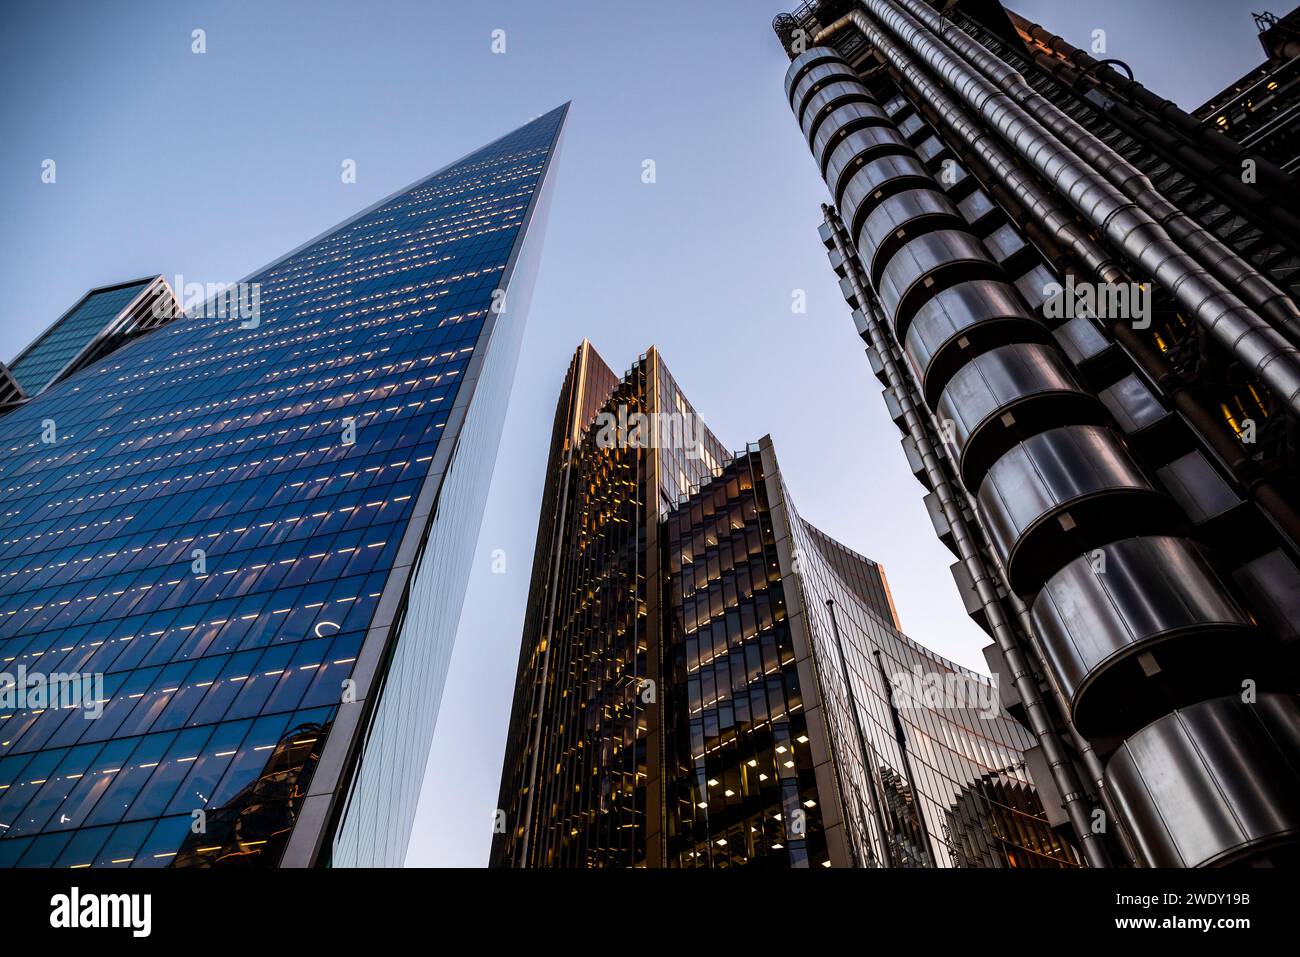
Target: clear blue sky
<point>213,165</point>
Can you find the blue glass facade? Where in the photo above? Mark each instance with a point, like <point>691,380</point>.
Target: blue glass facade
<point>257,535</point>
<point>45,358</point>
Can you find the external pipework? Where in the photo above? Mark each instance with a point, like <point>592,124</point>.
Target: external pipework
<point>1160,108</point>
<point>1223,263</point>
<point>1229,179</point>
<point>1038,201</point>
<point>1247,336</point>
<point>1073,523</point>
<point>1022,674</point>
<point>1043,208</point>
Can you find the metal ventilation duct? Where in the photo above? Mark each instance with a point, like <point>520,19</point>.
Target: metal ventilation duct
<point>1241,762</point>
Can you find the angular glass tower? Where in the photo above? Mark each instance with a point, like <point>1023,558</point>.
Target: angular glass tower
<point>706,680</point>
<point>253,537</point>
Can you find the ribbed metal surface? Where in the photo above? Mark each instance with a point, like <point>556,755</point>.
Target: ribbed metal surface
<point>839,123</point>
<point>1062,492</point>
<point>805,62</point>
<point>820,76</point>
<point>858,148</point>
<point>875,181</point>
<point>1211,784</point>
<point>1273,316</point>
<point>1006,394</point>
<point>967,316</point>
<point>1156,595</point>
<point>892,223</point>
<point>821,104</point>
<point>1086,171</point>
<point>909,278</point>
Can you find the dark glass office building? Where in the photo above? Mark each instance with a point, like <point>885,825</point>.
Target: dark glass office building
<point>1081,302</point>
<point>706,680</point>
<point>251,534</point>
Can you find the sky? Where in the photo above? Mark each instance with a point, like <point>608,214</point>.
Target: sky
<point>211,165</point>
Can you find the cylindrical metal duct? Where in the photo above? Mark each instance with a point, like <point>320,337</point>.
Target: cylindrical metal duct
<point>961,322</point>
<point>822,103</point>
<point>805,62</point>
<point>1241,761</point>
<point>846,118</point>
<point>1038,201</point>
<point>857,148</point>
<point>1008,394</point>
<point>1223,263</point>
<point>899,217</point>
<point>920,268</point>
<point>1128,630</point>
<point>1061,493</point>
<point>821,75</point>
<point>876,181</point>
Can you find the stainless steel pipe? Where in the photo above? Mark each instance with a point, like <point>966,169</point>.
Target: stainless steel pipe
<point>1240,330</point>
<point>1256,289</point>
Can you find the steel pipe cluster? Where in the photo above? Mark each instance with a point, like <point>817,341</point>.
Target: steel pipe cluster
<point>1132,621</point>
<point>1202,145</point>
<point>1207,249</point>
<point>1116,198</point>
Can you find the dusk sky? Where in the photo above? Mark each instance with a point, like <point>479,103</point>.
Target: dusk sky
<point>212,165</point>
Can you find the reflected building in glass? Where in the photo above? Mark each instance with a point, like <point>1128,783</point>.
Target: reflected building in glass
<point>251,534</point>
<point>706,680</point>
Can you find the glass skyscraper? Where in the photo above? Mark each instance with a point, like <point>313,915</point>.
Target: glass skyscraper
<point>706,680</point>
<point>251,536</point>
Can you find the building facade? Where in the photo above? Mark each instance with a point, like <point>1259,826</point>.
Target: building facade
<point>102,321</point>
<point>1261,110</point>
<point>1081,304</point>
<point>706,680</point>
<point>249,536</point>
